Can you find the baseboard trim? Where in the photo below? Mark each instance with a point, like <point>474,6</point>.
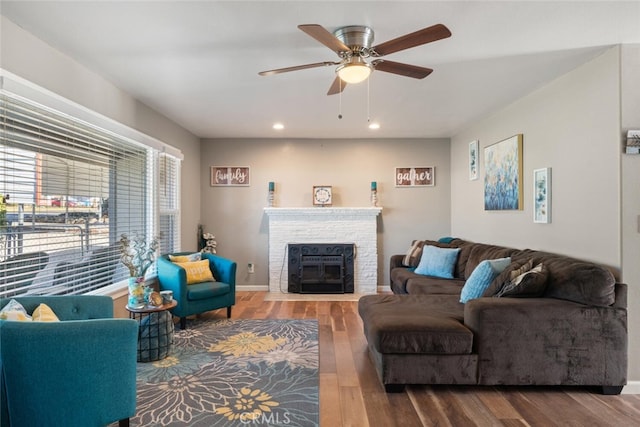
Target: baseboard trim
<point>632,387</point>
<point>252,288</point>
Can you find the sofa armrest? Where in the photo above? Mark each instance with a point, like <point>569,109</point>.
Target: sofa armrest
<point>172,277</point>
<point>396,261</point>
<point>224,269</point>
<point>548,341</point>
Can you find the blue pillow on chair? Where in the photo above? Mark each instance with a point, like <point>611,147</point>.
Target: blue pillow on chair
<point>481,277</point>
<point>438,262</point>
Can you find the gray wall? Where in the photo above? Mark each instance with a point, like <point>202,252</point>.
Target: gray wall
<point>28,57</point>
<point>235,215</point>
<point>631,201</point>
<point>573,126</point>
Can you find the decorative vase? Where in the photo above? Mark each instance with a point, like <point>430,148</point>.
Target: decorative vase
<point>136,292</point>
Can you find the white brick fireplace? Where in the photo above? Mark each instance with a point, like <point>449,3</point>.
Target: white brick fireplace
<point>325,225</point>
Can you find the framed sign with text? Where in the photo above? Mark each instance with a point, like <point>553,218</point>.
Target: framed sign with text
<point>415,177</point>
<point>230,176</point>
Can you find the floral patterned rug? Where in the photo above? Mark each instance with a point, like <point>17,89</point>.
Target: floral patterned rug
<point>233,373</point>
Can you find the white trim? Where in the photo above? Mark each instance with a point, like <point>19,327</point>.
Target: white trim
<point>23,88</point>
<point>252,288</point>
<point>116,290</point>
<point>632,387</point>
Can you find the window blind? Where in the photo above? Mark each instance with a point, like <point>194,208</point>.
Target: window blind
<point>69,190</point>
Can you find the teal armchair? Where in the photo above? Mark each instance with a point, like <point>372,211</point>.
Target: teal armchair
<point>200,297</point>
<point>79,372</point>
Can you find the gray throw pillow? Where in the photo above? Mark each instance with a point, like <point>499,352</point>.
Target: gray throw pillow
<point>530,284</point>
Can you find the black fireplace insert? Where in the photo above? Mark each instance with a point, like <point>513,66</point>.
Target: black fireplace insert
<point>317,268</point>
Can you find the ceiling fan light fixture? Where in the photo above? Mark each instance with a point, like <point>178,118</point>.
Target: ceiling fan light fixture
<point>355,71</point>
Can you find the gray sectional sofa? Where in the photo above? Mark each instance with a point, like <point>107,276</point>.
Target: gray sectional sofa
<point>564,325</point>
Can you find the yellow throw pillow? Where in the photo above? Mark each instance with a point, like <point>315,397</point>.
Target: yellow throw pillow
<point>43,313</point>
<point>197,271</point>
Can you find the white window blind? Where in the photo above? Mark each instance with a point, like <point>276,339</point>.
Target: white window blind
<point>70,190</point>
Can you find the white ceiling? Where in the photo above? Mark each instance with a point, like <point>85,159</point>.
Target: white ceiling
<point>197,62</point>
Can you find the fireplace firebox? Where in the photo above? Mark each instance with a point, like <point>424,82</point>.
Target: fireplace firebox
<point>317,268</point>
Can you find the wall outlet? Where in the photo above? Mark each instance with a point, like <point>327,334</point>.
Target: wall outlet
<point>251,268</point>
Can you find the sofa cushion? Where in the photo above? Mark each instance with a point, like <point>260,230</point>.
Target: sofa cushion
<point>207,290</point>
<point>417,324</point>
<point>482,277</point>
<point>418,284</point>
<point>530,283</point>
<point>437,262</point>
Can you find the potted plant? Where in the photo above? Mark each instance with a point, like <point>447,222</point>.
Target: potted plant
<point>137,255</point>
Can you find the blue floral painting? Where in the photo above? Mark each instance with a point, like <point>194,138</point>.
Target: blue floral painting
<point>503,175</point>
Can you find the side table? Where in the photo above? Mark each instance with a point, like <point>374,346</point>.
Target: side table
<point>155,331</point>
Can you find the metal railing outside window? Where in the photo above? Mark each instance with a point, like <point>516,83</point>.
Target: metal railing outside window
<point>68,191</point>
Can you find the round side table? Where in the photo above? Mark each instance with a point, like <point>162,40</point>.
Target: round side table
<point>155,331</point>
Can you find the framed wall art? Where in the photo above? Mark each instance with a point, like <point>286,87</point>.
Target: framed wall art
<point>236,176</point>
<point>473,160</point>
<point>415,176</point>
<point>503,175</point>
<point>542,195</point>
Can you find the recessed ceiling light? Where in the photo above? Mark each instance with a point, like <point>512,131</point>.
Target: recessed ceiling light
<point>278,126</point>
<point>374,125</point>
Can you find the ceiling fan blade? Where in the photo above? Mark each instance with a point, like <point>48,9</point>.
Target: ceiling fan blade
<point>337,86</point>
<point>417,38</point>
<point>297,67</point>
<point>321,34</point>
<point>402,69</point>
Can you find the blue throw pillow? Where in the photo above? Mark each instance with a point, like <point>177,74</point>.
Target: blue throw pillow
<point>481,278</point>
<point>438,262</point>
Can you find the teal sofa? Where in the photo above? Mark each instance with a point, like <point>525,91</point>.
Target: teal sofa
<point>79,372</point>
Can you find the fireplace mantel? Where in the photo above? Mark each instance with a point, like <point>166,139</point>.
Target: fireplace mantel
<point>356,225</point>
<point>323,211</point>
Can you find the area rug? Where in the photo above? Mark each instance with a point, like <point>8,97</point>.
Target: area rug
<point>234,373</point>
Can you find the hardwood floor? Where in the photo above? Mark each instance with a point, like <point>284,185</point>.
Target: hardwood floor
<point>351,395</point>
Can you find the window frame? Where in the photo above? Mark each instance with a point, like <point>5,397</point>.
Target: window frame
<point>27,92</point>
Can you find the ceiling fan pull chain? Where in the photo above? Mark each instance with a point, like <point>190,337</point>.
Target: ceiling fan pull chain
<point>368,102</point>
<point>340,100</point>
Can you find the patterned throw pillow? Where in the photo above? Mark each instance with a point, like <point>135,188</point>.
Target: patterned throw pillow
<point>481,278</point>
<point>43,313</point>
<point>186,258</point>
<point>438,262</point>
<point>529,284</point>
<point>515,269</point>
<point>14,311</point>
<point>413,255</point>
<point>197,271</point>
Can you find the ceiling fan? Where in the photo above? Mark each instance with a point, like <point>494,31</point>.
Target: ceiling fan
<point>353,46</point>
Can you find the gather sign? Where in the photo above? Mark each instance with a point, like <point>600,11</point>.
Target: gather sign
<point>415,177</point>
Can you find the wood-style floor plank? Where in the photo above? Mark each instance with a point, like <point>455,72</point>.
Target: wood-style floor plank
<point>351,394</point>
